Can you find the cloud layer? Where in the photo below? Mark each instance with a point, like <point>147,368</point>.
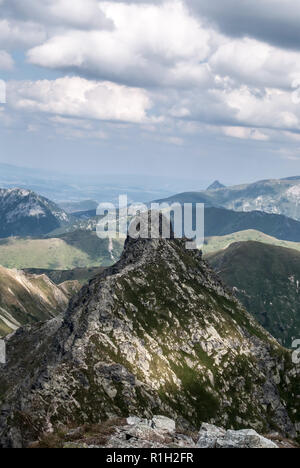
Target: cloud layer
<point>227,67</point>
<point>77,97</point>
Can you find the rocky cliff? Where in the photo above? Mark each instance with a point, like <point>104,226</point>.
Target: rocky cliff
<point>158,333</point>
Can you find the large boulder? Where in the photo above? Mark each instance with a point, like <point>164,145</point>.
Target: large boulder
<point>214,437</point>
<point>209,435</point>
<point>162,423</point>
<point>247,438</point>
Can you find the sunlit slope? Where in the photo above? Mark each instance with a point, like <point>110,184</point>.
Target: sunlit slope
<point>78,249</point>
<point>26,298</point>
<point>216,243</point>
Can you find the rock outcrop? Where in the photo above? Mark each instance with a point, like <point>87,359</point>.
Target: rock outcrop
<point>158,433</point>
<point>214,437</point>
<point>156,333</point>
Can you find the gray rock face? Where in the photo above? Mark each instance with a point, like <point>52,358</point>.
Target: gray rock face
<point>211,436</point>
<point>156,333</point>
<point>160,423</point>
<point>164,424</point>
<point>244,439</point>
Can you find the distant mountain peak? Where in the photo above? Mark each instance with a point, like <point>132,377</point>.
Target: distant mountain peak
<point>216,185</point>
<point>25,213</point>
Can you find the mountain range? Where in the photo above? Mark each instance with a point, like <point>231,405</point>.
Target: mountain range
<point>68,188</point>
<point>278,196</point>
<point>221,222</point>
<point>218,221</point>
<point>157,333</point>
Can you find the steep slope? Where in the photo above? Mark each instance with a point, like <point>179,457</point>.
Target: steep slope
<point>24,213</point>
<point>215,244</point>
<point>26,298</point>
<point>266,279</point>
<point>78,249</point>
<point>155,334</point>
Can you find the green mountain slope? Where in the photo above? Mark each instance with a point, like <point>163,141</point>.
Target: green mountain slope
<point>79,249</point>
<point>216,243</point>
<point>26,298</point>
<point>220,222</point>
<point>266,279</point>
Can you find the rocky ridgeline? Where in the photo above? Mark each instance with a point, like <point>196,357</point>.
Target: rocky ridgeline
<point>158,433</point>
<point>158,333</point>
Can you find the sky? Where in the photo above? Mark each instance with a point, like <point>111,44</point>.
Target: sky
<point>191,89</point>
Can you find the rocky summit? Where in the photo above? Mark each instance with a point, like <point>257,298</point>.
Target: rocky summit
<point>158,333</point>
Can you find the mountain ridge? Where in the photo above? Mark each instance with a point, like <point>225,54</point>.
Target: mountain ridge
<point>273,196</point>
<point>156,331</point>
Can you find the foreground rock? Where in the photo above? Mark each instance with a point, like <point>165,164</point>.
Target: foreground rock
<point>156,333</point>
<point>158,433</point>
<point>213,437</point>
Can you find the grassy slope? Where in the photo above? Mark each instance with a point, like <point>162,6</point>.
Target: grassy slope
<point>268,279</point>
<point>28,298</point>
<point>78,249</point>
<point>217,243</point>
<point>83,275</point>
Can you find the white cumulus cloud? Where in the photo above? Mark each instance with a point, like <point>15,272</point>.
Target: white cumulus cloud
<point>148,45</point>
<point>6,61</point>
<point>77,97</point>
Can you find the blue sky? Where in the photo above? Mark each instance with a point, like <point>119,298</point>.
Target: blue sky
<point>192,89</point>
